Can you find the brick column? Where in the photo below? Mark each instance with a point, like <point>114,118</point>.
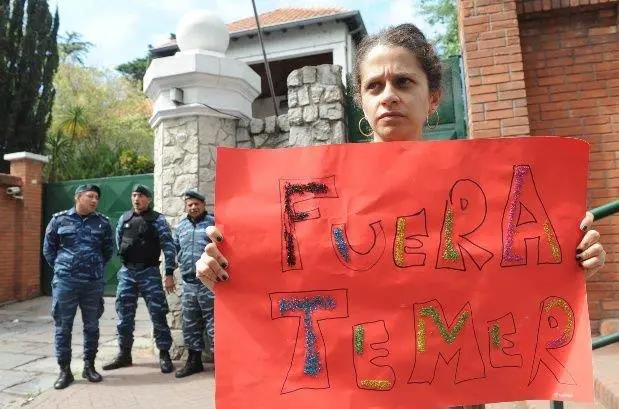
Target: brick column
<point>27,273</point>
<point>493,68</point>
<point>8,208</point>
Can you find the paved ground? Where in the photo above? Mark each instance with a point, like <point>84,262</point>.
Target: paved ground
<point>28,366</point>
<point>28,369</point>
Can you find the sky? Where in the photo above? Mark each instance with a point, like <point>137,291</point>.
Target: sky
<point>121,30</point>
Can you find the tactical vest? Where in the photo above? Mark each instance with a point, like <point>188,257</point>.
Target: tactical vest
<point>140,240</point>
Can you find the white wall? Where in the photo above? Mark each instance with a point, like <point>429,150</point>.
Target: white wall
<point>295,42</point>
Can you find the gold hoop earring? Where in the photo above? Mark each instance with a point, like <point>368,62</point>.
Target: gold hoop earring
<point>438,119</point>
<point>366,134</point>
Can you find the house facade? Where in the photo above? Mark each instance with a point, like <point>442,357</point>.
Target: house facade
<point>293,38</point>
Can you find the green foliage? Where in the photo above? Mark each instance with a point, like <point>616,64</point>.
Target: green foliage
<point>72,49</point>
<point>100,126</point>
<point>445,13</point>
<point>28,61</point>
<point>135,69</point>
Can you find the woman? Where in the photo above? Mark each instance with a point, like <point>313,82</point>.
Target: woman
<point>398,85</point>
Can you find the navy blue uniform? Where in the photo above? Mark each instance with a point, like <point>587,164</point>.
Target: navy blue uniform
<point>198,301</point>
<point>77,249</point>
<point>150,234</point>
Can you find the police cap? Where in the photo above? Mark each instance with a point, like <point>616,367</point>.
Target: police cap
<point>194,194</point>
<point>143,190</point>
<point>88,188</point>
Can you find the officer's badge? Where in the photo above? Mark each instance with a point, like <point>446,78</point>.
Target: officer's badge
<point>126,225</point>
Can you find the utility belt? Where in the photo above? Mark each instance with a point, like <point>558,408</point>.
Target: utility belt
<point>140,266</point>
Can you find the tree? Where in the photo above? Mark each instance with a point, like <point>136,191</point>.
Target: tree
<point>72,48</point>
<point>135,69</point>
<point>74,122</point>
<point>100,126</point>
<point>445,13</point>
<point>28,62</point>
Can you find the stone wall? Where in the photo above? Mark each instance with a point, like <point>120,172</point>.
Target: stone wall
<point>185,156</point>
<point>316,103</point>
<point>186,149</point>
<point>316,113</point>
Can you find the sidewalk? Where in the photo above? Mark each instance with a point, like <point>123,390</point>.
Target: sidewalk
<point>28,367</point>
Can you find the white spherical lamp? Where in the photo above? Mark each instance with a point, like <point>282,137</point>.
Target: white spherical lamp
<point>202,30</point>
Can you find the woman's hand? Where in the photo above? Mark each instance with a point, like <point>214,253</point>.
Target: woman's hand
<point>211,266</point>
<point>590,253</point>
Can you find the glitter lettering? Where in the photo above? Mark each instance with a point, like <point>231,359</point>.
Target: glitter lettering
<point>371,352</point>
<point>291,193</point>
<point>359,339</point>
<point>503,351</point>
<point>308,368</point>
<point>556,330</point>
<point>525,219</point>
<point>353,259</point>
<point>465,213</point>
<point>436,339</point>
<point>406,241</point>
<point>379,385</point>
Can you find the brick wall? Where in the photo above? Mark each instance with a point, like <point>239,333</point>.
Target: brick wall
<point>494,68</point>
<point>20,229</point>
<point>571,64</point>
<point>551,67</point>
<point>531,6</point>
<point>8,210</point>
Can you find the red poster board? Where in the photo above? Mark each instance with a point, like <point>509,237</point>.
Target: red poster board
<point>402,275</point>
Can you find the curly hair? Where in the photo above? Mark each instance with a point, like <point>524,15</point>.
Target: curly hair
<point>407,36</point>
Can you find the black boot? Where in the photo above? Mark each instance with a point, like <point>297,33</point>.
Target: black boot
<point>122,360</point>
<point>165,362</point>
<point>66,376</point>
<point>90,372</point>
<point>193,365</point>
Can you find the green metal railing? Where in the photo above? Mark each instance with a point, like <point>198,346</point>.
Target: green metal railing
<point>598,213</point>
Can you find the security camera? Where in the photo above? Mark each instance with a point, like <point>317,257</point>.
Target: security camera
<point>14,191</point>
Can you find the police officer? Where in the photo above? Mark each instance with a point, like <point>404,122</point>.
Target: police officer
<point>190,239</point>
<point>141,235</point>
<point>78,243</point>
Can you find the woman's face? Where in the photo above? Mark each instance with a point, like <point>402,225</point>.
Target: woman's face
<point>395,96</point>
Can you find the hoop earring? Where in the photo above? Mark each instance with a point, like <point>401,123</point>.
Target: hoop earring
<point>438,119</point>
<point>368,134</point>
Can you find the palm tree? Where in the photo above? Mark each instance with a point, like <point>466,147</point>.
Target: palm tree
<point>60,149</point>
<point>74,122</point>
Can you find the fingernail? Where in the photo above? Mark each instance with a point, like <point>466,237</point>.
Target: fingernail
<point>225,278</point>
<point>583,227</point>
<point>224,265</point>
<point>578,251</point>
<point>219,239</point>
<point>578,258</point>
<point>218,279</point>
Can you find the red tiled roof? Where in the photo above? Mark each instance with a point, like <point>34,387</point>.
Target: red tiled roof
<point>276,17</point>
<point>283,15</point>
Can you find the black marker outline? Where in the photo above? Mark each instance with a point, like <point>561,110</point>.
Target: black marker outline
<point>371,361</point>
<point>274,305</point>
<point>537,239</point>
<point>458,353</point>
<point>504,339</point>
<point>441,263</point>
<point>379,237</point>
<point>409,249</point>
<point>538,360</point>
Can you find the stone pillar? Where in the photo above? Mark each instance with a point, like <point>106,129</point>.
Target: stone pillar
<point>493,64</point>
<point>198,97</point>
<point>28,211</point>
<point>316,113</point>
